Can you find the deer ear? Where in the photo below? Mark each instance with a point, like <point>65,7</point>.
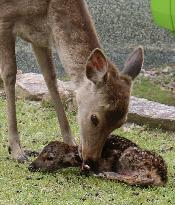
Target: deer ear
<point>96,67</point>
<point>134,63</point>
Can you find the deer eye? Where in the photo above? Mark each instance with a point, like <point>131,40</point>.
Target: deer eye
<point>94,120</point>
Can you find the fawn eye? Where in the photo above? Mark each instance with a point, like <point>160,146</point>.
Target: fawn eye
<point>50,157</point>
<point>94,120</point>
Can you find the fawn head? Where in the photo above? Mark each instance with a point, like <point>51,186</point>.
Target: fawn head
<point>54,156</point>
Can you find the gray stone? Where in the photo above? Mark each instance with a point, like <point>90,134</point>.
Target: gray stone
<point>31,86</point>
<point>154,114</point>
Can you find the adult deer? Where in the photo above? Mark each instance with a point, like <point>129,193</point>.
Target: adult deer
<point>102,92</point>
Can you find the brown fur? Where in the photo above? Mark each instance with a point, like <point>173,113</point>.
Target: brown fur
<point>56,155</point>
<point>121,160</point>
<point>67,26</point>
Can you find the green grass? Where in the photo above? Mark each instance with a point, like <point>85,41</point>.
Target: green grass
<point>150,90</point>
<point>38,126</point>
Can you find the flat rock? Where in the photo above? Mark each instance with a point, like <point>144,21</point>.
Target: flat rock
<point>154,114</point>
<point>31,86</point>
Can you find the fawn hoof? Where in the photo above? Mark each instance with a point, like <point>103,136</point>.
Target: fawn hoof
<point>32,167</point>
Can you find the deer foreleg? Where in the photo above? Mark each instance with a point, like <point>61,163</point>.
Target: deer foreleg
<point>8,73</point>
<point>44,58</point>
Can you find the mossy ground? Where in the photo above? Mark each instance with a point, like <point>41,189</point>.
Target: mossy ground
<point>151,90</point>
<point>38,126</point>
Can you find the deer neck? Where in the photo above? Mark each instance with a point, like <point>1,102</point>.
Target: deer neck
<point>74,36</point>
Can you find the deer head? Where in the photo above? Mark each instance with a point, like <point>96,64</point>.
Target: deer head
<point>103,100</point>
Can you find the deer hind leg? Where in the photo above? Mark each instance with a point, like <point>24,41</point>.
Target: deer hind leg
<point>44,58</point>
<point>129,178</point>
<point>8,72</point>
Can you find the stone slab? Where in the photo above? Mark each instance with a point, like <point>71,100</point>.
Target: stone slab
<point>143,111</point>
<point>31,86</point>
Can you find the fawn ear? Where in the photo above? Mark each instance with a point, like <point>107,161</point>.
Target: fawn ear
<point>134,63</point>
<point>96,67</point>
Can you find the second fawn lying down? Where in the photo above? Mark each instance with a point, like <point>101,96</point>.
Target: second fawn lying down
<point>121,160</point>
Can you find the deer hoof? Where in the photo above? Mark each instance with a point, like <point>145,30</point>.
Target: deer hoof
<point>22,159</point>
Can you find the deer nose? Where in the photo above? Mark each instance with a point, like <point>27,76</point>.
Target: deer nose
<point>89,165</point>
<point>32,167</point>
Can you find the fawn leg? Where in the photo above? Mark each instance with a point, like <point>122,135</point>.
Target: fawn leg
<point>128,178</point>
<point>8,72</point>
<point>44,58</point>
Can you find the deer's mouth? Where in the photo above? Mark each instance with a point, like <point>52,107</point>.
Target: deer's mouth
<point>89,166</point>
